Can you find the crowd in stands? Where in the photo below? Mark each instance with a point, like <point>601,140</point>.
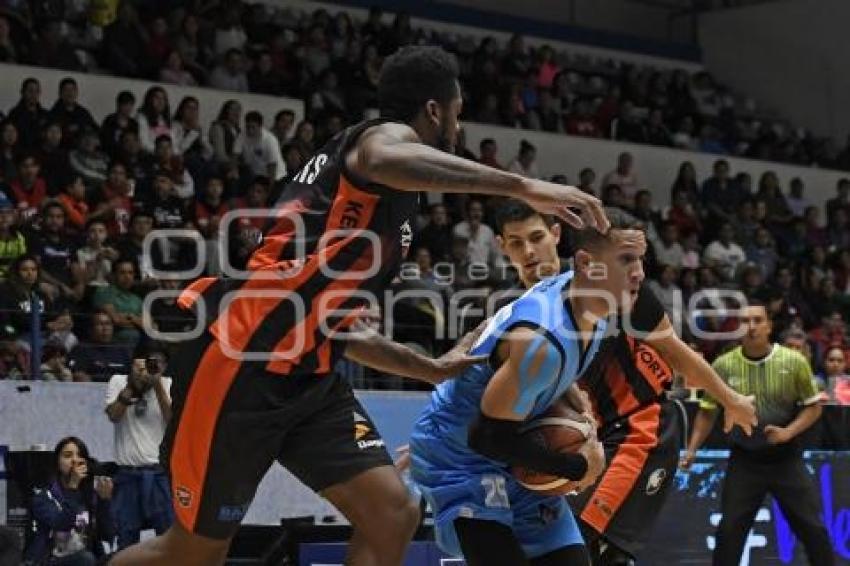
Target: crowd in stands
<point>332,61</point>
<point>78,198</point>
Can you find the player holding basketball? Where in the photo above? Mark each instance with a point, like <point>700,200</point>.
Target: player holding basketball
<point>530,241</point>
<point>235,415</point>
<point>641,431</point>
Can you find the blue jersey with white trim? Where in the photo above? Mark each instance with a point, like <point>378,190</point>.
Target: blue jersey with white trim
<point>441,433</point>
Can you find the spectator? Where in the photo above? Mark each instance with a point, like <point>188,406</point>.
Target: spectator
<point>139,405</point>
<point>750,280</point>
<point>778,213</point>
<point>168,316</point>
<point>263,78</point>
<point>763,252</point>
<point>436,236</point>
<point>686,180</point>
<point>122,305</point>
<point>54,49</point>
<point>710,141</point>
<point>795,339</point>
<point>256,196</point>
<point>646,213</point>
<point>229,34</point>
<point>231,74</point>
<point>723,255</point>
<point>841,200</point>
<point>8,53</point>
<point>114,203</point>
<point>195,52</point>
<point>785,286</point>
<point>174,73</point>
<point>328,98</point>
<point>668,250</point>
<point>489,153</point>
<point>171,164</point>
<point>124,44</point>
<point>8,151</point>
<point>524,163</point>
<point>720,196</point>
<point>835,376</point>
<point>283,124</point>
<point>586,178</point>
<point>53,157</point>
<point>130,245</point>
<point>208,212</point>
<point>627,126</point>
<point>683,137</point>
<point>158,41</point>
<point>261,150</point>
<point>73,201</point>
<point>56,254</point>
<point>71,515</point>
<point>668,293</point>
<point>482,246</point>
<point>831,331</point>
<point>71,117</point>
<point>797,203</point>
<point>12,242</point>
<point>657,132</point>
<point>623,176</point>
<point>88,161</point>
<point>154,118</point>
<point>225,134</point>
<point>305,138</point>
<point>96,257</point>
<point>838,229</point>
<point>53,365</point>
<point>28,115</point>
<point>188,135</point>
<point>22,291</point>
<point>815,233</point>
<point>827,299</point>
<point>100,358</point>
<point>118,122</point>
<point>582,122</point>
<point>29,189</point>
<point>683,214</point>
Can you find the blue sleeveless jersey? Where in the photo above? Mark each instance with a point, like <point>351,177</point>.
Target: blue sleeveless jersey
<point>440,434</point>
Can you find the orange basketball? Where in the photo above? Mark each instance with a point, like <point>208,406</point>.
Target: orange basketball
<point>560,429</point>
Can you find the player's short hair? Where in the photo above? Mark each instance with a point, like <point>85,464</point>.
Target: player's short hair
<point>515,210</point>
<point>412,76</point>
<point>592,239</point>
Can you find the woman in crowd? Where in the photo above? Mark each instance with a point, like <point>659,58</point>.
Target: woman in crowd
<point>836,380</point>
<point>71,516</point>
<point>154,117</point>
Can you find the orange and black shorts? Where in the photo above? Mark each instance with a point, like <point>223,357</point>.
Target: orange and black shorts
<point>232,419</point>
<point>642,452</point>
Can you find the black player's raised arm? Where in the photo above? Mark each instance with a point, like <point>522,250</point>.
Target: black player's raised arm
<point>393,154</point>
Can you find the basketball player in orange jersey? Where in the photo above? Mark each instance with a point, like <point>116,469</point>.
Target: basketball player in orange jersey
<point>338,234</point>
<point>641,431</point>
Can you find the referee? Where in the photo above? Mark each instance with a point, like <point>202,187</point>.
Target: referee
<point>770,461</point>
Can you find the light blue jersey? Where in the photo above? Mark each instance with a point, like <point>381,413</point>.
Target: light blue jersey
<point>459,482</point>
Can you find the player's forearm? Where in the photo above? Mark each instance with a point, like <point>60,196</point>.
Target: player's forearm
<point>703,423</point>
<point>417,167</point>
<point>372,349</point>
<point>501,440</point>
<point>805,418</point>
<point>701,375</point>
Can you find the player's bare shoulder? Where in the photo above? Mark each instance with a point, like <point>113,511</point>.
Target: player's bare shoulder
<point>372,140</point>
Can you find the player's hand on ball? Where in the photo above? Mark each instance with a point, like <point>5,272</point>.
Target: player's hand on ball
<point>558,200</point>
<point>740,410</point>
<point>776,434</point>
<point>595,456</point>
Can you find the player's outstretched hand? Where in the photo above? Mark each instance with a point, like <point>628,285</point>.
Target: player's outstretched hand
<point>740,410</point>
<point>557,200</point>
<point>457,359</point>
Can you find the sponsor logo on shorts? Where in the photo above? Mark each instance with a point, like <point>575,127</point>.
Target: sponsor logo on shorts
<point>361,426</point>
<point>548,513</point>
<point>232,513</point>
<point>364,444</point>
<point>655,481</point>
<point>184,496</point>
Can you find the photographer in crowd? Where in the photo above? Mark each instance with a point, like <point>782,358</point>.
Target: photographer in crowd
<point>71,516</point>
<point>139,405</point>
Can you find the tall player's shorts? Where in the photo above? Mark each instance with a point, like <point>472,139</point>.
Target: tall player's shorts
<point>469,486</point>
<point>232,419</point>
<point>642,452</point>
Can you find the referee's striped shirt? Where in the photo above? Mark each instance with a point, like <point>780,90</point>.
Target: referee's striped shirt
<point>782,382</point>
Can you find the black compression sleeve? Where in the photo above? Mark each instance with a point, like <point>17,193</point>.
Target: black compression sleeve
<point>501,440</point>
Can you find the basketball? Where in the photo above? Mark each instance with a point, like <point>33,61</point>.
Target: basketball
<point>561,429</point>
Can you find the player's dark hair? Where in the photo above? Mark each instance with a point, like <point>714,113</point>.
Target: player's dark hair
<point>592,239</point>
<point>516,211</point>
<point>412,76</point>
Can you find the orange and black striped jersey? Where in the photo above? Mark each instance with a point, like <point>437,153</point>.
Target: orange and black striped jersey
<point>628,374</point>
<point>332,240</point>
